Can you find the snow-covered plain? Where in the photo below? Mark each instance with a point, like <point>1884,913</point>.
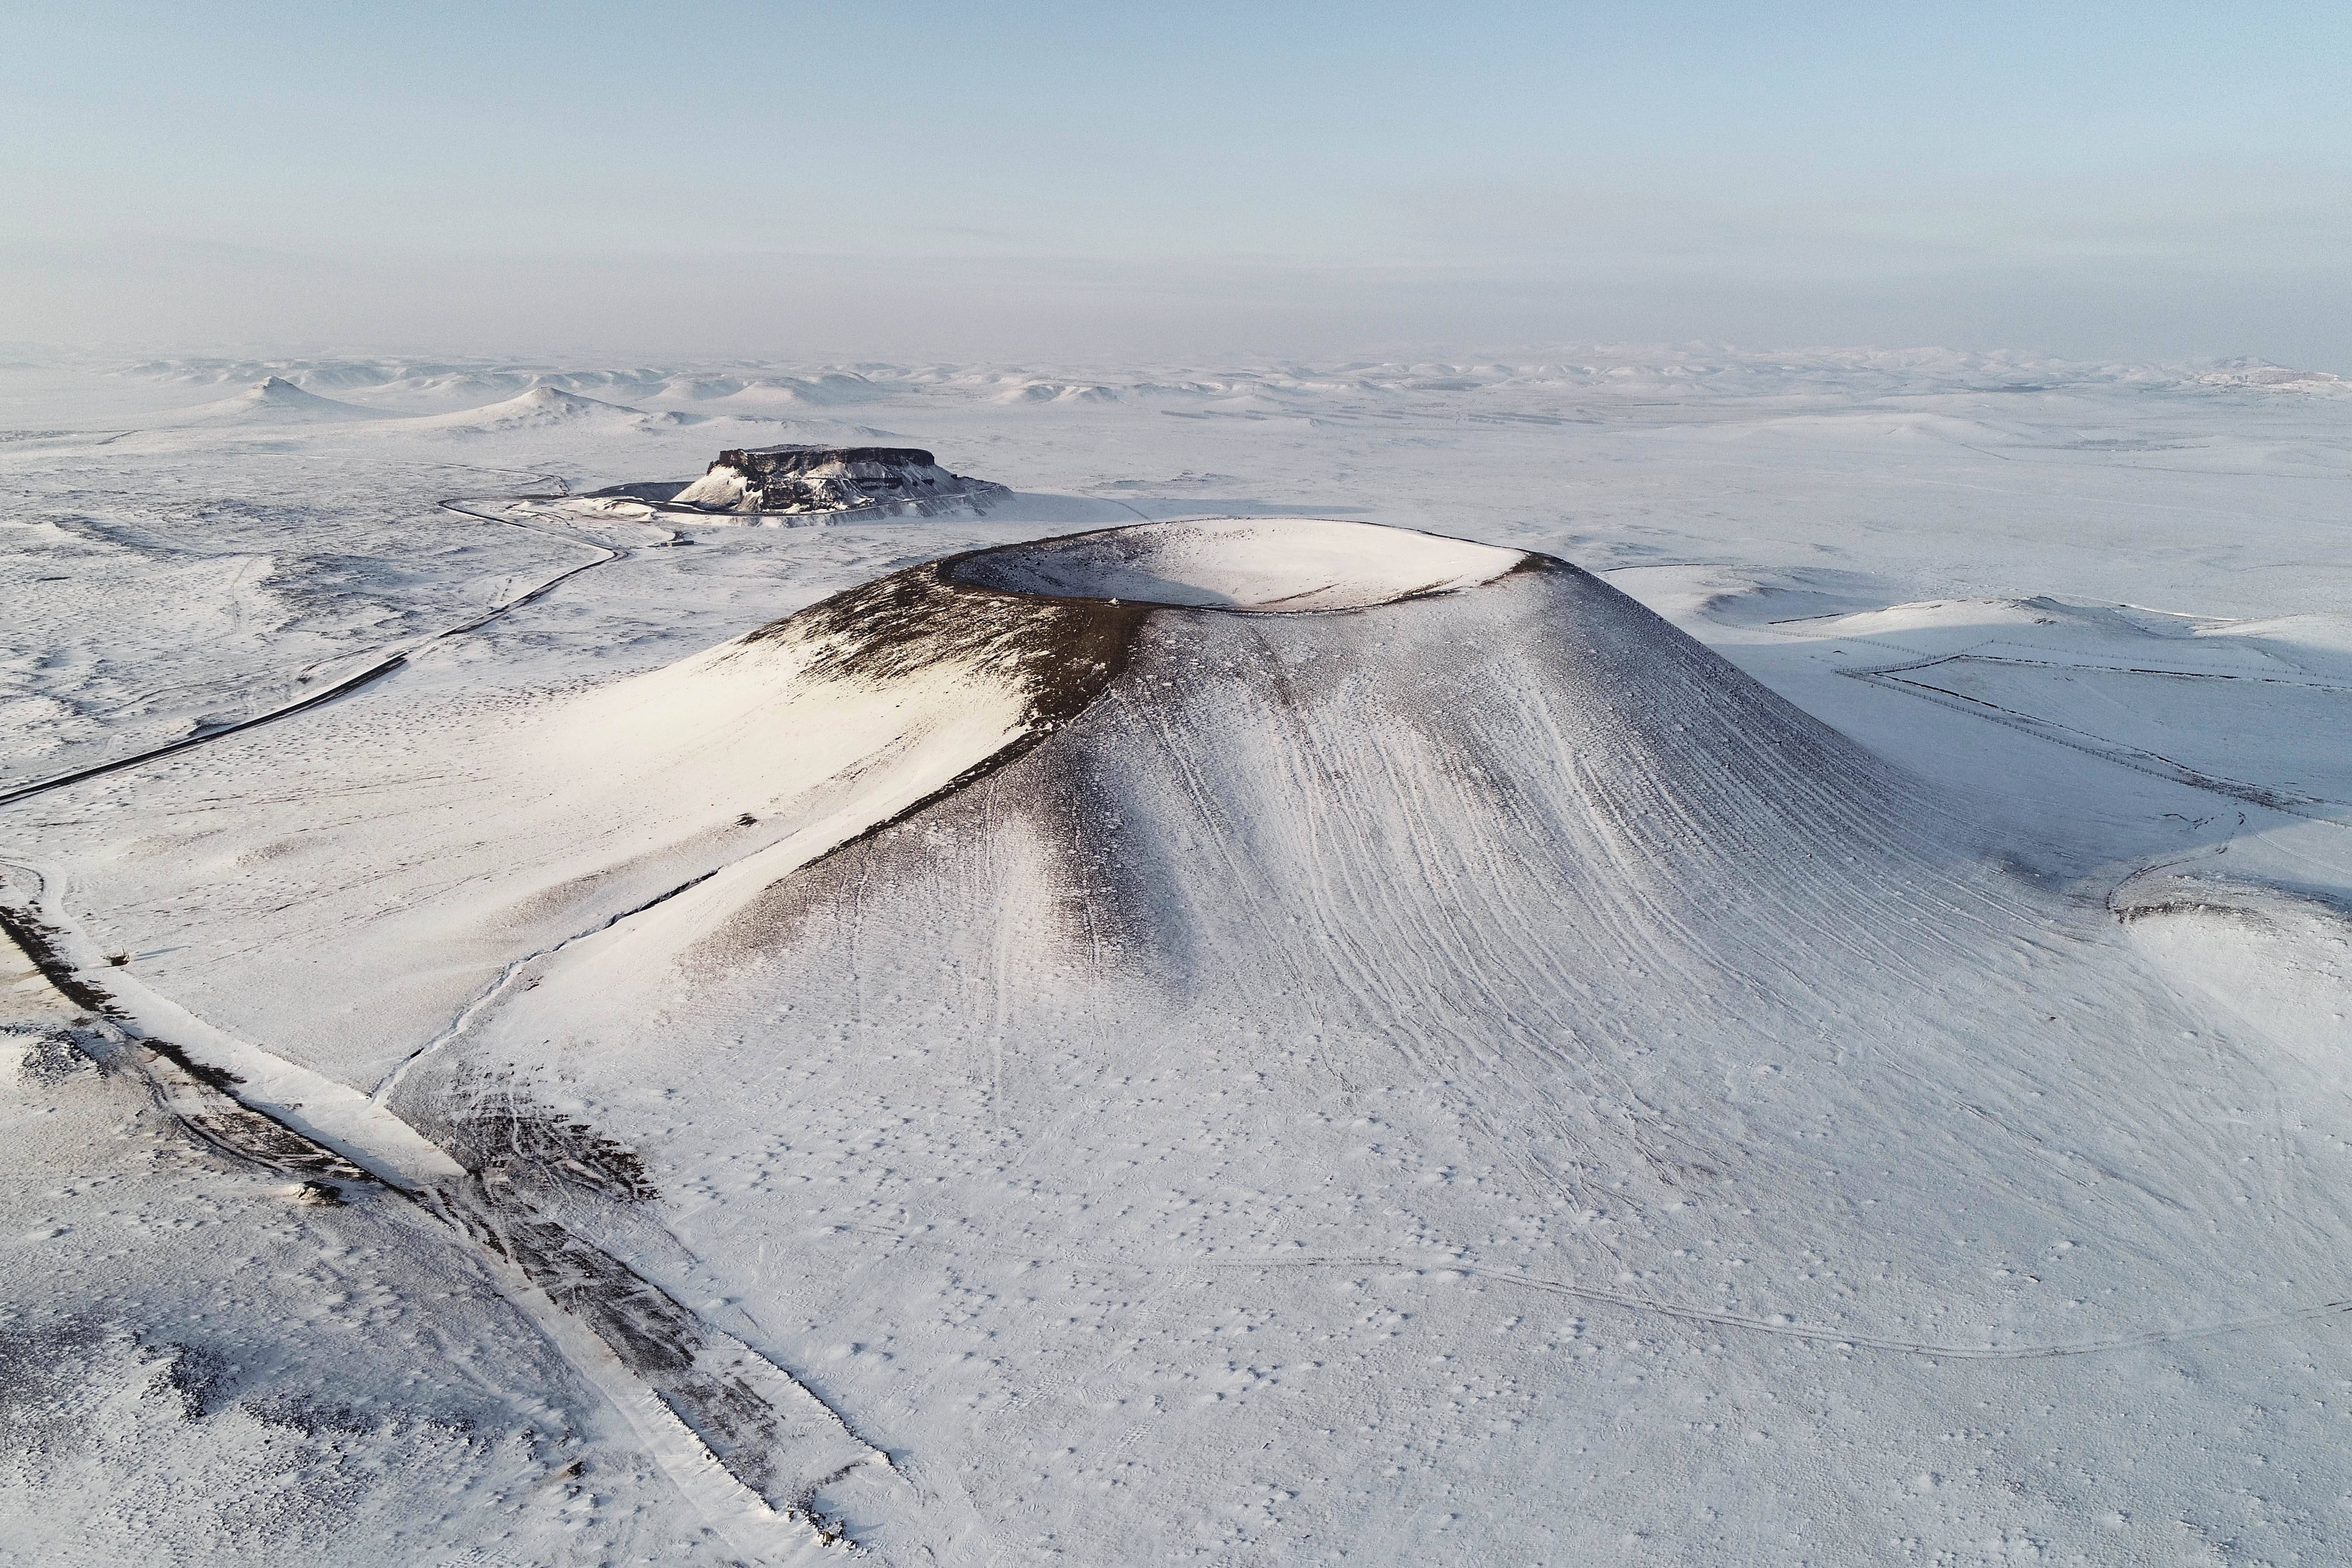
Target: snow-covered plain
<point>1313,1034</point>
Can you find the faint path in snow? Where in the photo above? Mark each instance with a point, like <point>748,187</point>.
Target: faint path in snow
<point>1910,675</point>
<point>507,976</point>
<point>1900,676</point>
<point>374,671</point>
<point>1787,1328</point>
<point>1818,1333</point>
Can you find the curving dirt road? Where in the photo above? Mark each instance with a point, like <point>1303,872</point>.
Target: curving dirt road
<point>373,672</point>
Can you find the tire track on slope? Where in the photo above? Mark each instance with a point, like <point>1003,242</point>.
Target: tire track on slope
<point>2311,808</point>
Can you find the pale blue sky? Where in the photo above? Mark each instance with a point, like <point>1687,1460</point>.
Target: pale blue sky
<point>1053,180</point>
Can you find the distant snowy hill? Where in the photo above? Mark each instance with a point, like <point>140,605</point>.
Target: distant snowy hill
<point>743,395</point>
<point>1585,371</point>
<point>546,406</point>
<point>273,402</point>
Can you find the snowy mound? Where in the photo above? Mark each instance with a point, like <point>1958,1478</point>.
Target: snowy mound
<point>1056,392</point>
<point>1243,564</point>
<point>275,401</point>
<point>796,480</point>
<point>2255,373</point>
<point>545,406</point>
<point>1283,1033</point>
<point>830,389</point>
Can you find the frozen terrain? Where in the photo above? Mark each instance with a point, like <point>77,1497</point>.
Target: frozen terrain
<point>1664,956</point>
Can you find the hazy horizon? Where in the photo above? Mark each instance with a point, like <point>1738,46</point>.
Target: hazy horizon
<point>920,786</point>
<point>2139,183</point>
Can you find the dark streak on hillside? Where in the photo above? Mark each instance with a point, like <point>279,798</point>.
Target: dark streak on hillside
<point>516,1149</point>
<point>1063,652</point>
<point>37,938</point>
<point>197,1095</point>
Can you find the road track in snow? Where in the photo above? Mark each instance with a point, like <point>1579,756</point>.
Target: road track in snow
<point>375,670</point>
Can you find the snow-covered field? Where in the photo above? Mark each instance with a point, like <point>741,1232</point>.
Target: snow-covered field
<point>1294,1025</point>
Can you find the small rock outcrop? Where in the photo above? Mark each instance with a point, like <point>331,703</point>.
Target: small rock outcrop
<point>801,480</point>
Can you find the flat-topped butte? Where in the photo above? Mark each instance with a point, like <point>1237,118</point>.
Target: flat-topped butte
<point>803,478</point>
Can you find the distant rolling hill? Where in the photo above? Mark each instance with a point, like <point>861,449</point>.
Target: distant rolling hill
<point>545,406</point>
<point>273,401</point>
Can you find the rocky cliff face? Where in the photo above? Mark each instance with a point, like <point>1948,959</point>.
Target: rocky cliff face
<point>888,479</point>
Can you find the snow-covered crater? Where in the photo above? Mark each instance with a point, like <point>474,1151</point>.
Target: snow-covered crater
<point>1241,563</point>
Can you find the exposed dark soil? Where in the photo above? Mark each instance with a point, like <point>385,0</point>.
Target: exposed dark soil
<point>498,1131</point>
<point>1063,652</point>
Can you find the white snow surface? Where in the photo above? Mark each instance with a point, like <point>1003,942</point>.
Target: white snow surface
<point>1237,1006</point>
